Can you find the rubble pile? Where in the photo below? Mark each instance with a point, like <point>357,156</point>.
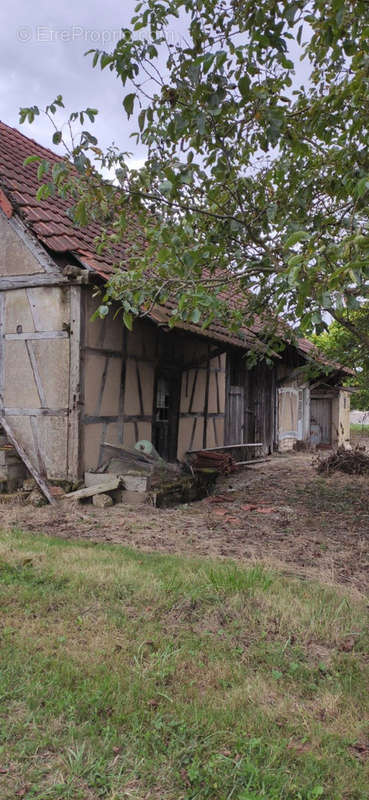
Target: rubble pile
<point>353,462</point>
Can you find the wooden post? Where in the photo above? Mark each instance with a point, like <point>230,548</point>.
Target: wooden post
<point>74,468</point>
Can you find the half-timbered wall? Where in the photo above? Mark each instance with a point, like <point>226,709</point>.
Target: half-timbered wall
<point>35,324</point>
<point>119,373</point>
<point>250,402</point>
<point>202,404</point>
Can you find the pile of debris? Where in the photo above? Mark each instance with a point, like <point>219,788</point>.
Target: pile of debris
<point>353,462</point>
<point>141,476</point>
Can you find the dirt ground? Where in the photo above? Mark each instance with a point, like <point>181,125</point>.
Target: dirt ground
<point>280,512</point>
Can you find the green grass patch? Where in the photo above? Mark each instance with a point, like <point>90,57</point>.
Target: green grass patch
<point>131,675</point>
<point>357,427</point>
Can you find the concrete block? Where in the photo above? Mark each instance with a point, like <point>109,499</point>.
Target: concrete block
<point>98,478</point>
<point>136,483</point>
<point>133,482</point>
<point>130,497</point>
<point>102,500</point>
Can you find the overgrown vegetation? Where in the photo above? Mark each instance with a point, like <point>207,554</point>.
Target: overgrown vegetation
<point>347,346</point>
<point>254,124</point>
<point>127,675</point>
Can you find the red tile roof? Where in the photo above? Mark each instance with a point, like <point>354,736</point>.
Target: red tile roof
<point>48,219</point>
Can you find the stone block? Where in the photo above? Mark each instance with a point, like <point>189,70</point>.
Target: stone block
<point>97,478</point>
<point>102,500</point>
<point>130,497</point>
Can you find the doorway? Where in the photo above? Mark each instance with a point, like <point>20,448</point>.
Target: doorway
<point>165,417</point>
<point>235,414</point>
<point>321,420</point>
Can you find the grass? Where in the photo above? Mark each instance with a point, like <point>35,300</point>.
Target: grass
<point>130,675</point>
<point>357,427</point>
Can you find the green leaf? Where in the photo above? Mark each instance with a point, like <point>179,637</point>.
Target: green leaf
<point>195,315</point>
<point>128,320</point>
<point>128,103</point>
<point>296,237</point>
<point>244,86</point>
<point>57,137</point>
<point>165,187</point>
<point>31,160</point>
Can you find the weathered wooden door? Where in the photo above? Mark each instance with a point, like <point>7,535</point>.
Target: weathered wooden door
<point>166,409</point>
<point>235,414</point>
<point>321,415</point>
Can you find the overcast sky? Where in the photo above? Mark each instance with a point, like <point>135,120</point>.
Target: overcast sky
<point>41,55</point>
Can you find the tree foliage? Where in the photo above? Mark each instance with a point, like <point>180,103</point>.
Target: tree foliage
<point>253,185</point>
<point>344,346</point>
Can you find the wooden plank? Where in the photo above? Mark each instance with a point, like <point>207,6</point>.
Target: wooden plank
<point>193,436</point>
<point>36,374</point>
<point>34,311</point>
<point>74,433</point>
<point>215,432</point>
<point>139,387</point>
<point>193,390</point>
<point>122,388</point>
<point>30,335</point>
<point>217,390</point>
<point>30,281</point>
<point>206,403</point>
<point>46,490</point>
<point>225,447</point>
<point>253,461</point>
<point>2,348</point>
<point>36,443</point>
<point>108,486</point>
<point>102,351</point>
<point>35,412</point>
<point>93,419</point>
<point>102,387</point>
<point>101,448</point>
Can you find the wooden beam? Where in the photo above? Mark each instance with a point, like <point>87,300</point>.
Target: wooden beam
<point>102,351</point>
<point>35,412</point>
<point>36,442</point>
<point>2,348</point>
<point>74,433</point>
<point>102,387</point>
<point>100,488</point>
<point>206,403</point>
<point>34,335</point>
<point>29,281</point>
<point>94,419</point>
<point>26,461</point>
<point>139,387</point>
<point>36,374</point>
<point>225,447</point>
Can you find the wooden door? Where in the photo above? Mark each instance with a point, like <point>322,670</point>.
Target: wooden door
<point>321,415</point>
<point>235,412</point>
<point>166,409</point>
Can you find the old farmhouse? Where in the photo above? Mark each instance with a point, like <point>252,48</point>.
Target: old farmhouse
<point>68,384</point>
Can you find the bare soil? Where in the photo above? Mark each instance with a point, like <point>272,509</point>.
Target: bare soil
<point>280,513</point>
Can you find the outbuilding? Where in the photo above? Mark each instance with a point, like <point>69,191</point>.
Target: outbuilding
<point>68,384</point>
